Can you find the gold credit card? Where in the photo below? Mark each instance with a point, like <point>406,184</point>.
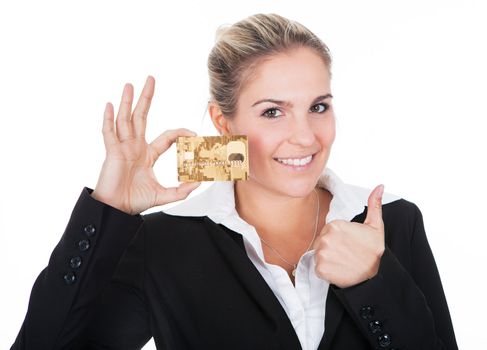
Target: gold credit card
<point>212,158</point>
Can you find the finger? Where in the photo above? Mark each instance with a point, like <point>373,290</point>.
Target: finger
<point>318,238</point>
<point>173,194</point>
<point>374,207</point>
<point>142,108</point>
<point>124,126</point>
<point>315,245</point>
<point>167,138</point>
<point>108,130</point>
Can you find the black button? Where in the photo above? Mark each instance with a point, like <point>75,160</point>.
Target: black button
<point>384,340</point>
<point>375,326</point>
<point>366,312</point>
<point>69,278</point>
<point>90,230</point>
<point>75,262</point>
<point>84,245</point>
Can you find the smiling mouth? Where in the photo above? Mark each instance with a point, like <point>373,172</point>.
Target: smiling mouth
<point>296,162</point>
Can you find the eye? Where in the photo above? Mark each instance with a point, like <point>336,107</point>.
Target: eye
<point>323,109</point>
<point>270,113</point>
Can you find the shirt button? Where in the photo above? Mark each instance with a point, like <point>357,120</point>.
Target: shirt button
<point>89,230</point>
<point>75,262</point>
<point>69,278</point>
<point>384,340</point>
<point>366,312</point>
<point>375,326</point>
<point>84,245</point>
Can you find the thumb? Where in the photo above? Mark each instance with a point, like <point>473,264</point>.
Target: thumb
<point>172,194</point>
<point>374,208</point>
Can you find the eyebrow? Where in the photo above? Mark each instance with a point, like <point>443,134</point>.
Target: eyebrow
<point>287,103</point>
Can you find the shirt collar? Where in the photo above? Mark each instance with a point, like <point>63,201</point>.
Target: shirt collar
<point>217,202</point>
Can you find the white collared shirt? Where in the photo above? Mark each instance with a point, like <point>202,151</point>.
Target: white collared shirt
<point>304,302</point>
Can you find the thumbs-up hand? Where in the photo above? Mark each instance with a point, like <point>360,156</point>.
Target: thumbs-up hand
<point>347,253</point>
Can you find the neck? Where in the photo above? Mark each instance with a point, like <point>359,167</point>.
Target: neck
<point>273,213</point>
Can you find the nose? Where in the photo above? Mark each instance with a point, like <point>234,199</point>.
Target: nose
<point>302,133</point>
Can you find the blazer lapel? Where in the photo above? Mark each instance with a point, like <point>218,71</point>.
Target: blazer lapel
<point>254,283</point>
<point>333,317</point>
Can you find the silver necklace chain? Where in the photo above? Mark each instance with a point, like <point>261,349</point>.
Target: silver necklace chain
<point>311,243</point>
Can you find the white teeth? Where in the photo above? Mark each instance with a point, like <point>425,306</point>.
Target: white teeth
<point>295,161</point>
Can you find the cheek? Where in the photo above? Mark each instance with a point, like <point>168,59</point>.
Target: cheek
<point>262,145</point>
<point>327,136</point>
<point>258,147</point>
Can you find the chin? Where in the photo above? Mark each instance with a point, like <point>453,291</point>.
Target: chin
<point>296,188</point>
<point>297,182</point>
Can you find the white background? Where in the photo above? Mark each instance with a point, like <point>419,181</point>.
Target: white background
<point>409,80</point>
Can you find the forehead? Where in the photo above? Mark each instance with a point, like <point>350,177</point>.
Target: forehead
<point>290,75</point>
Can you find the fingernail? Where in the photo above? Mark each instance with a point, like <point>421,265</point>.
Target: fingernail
<point>381,191</point>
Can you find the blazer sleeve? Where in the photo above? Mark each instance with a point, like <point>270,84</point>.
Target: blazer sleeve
<point>404,305</point>
<point>66,297</point>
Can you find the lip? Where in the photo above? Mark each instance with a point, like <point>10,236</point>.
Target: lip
<point>297,167</point>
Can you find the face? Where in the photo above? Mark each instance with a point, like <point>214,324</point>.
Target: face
<point>285,110</point>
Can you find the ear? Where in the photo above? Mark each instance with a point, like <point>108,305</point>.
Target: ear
<point>219,121</point>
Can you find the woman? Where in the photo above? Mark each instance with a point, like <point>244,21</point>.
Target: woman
<point>292,258</point>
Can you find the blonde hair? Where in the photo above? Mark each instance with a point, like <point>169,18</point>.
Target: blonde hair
<point>239,48</point>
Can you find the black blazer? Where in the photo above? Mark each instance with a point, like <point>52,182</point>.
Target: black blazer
<point>115,280</point>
